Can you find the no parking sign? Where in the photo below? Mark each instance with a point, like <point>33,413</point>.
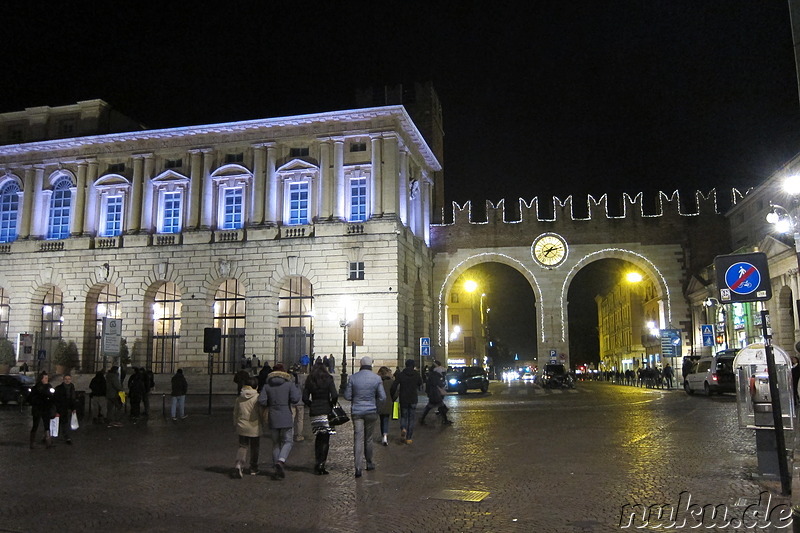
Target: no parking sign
<point>743,277</point>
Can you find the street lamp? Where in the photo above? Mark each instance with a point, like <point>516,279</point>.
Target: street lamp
<point>344,323</point>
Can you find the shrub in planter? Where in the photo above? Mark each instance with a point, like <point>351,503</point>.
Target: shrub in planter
<point>65,355</point>
<point>7,356</point>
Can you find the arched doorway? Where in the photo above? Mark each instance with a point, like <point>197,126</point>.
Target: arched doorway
<point>295,335</point>
<point>166,328</point>
<point>102,301</point>
<point>229,316</point>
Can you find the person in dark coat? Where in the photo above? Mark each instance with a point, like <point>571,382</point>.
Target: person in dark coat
<point>319,394</point>
<point>43,407</point>
<point>262,375</point>
<point>136,388</point>
<point>406,389</point>
<point>97,398</point>
<point>279,393</point>
<point>64,399</point>
<point>179,390</point>
<point>149,385</point>
<point>435,389</point>
<point>114,403</point>
<point>332,363</point>
<point>241,378</point>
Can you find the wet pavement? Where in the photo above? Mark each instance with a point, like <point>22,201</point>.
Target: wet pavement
<point>516,459</point>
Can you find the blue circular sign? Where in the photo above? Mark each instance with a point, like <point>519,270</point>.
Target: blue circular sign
<point>742,278</point>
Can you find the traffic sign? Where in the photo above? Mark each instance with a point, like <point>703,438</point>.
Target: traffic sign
<point>743,277</point>
<point>111,340</point>
<point>425,346</point>
<point>670,342</point>
<point>707,331</point>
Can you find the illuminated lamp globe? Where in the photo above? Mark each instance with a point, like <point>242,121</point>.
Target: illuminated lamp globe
<point>791,185</point>
<point>470,286</point>
<point>633,277</point>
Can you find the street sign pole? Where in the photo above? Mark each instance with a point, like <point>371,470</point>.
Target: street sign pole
<point>777,415</point>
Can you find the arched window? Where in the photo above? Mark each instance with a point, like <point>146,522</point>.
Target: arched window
<point>52,319</point>
<point>102,302</point>
<point>9,209</point>
<point>166,328</point>
<point>295,320</point>
<point>60,203</point>
<point>229,316</point>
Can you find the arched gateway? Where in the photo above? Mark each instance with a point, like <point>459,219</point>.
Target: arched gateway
<point>667,245</point>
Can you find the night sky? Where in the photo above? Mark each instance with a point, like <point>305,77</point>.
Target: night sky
<point>540,98</point>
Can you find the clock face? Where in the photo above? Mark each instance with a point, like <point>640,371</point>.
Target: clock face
<point>549,249</point>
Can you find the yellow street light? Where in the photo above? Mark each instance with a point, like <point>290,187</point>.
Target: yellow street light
<point>470,286</point>
<point>633,277</point>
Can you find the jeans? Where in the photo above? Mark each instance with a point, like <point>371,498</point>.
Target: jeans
<point>253,444</point>
<point>281,444</point>
<point>98,404</point>
<point>408,414</point>
<point>385,424</point>
<point>363,427</point>
<point>178,406</point>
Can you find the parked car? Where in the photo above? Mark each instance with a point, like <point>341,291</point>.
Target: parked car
<point>555,376</point>
<point>15,388</point>
<point>712,373</point>
<point>467,378</point>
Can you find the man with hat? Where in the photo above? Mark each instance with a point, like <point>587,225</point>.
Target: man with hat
<point>365,391</point>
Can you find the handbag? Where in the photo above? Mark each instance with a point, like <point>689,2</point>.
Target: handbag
<point>338,416</point>
<point>121,396</point>
<point>396,410</point>
<point>54,426</point>
<point>73,422</point>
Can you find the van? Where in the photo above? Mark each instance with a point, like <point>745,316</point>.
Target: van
<point>712,373</point>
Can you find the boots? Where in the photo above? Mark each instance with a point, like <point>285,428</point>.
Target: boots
<point>321,446</point>
<point>424,414</point>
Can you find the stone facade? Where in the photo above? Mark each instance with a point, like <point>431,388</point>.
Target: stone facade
<point>248,206</point>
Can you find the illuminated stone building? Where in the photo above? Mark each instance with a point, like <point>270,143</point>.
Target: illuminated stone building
<point>292,235</point>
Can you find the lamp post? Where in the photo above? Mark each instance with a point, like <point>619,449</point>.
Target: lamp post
<point>343,381</point>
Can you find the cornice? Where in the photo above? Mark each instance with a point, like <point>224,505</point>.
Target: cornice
<point>374,118</point>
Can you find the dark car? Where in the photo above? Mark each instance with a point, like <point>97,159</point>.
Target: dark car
<point>467,378</point>
<point>555,376</point>
<point>15,388</point>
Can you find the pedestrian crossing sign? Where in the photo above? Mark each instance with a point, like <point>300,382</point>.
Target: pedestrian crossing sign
<point>425,346</point>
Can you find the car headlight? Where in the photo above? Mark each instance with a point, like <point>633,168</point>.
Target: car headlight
<point>453,381</point>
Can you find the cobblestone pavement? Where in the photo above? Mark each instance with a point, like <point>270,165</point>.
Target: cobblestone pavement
<point>546,461</point>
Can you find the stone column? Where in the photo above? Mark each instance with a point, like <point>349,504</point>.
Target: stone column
<point>272,216</point>
<point>195,179</point>
<point>376,183</point>
<point>340,187</point>
<point>389,174</point>
<point>326,188</point>
<point>78,215</point>
<point>39,221</point>
<point>27,204</point>
<point>207,221</point>
<point>135,206</point>
<point>90,222</point>
<point>402,187</point>
<point>425,208</point>
<point>259,183</point>
<point>147,194</point>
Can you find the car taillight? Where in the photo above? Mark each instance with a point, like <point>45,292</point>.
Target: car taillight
<point>714,377</point>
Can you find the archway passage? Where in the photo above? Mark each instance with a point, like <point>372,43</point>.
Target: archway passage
<point>491,318</point>
<point>613,309</point>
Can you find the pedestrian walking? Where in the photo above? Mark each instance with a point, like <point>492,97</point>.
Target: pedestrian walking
<point>179,389</point>
<point>279,393</point>
<point>298,409</point>
<point>247,421</point>
<point>668,375</point>
<point>385,408</point>
<point>136,388</point>
<point>262,375</point>
<point>332,363</point>
<point>365,391</point>
<point>64,399</point>
<point>43,407</point>
<point>305,361</point>
<point>241,378</point>
<point>97,398</point>
<point>149,385</point>
<point>406,390</point>
<point>436,391</point>
<point>319,394</point>
<point>114,404</point>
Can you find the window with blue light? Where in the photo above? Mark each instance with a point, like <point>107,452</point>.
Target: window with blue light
<point>112,225</point>
<point>358,199</point>
<point>298,203</point>
<point>60,206</point>
<point>233,199</point>
<point>171,212</point>
<point>9,208</point>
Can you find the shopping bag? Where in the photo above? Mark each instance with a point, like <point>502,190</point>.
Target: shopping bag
<point>396,411</point>
<point>54,427</point>
<point>121,396</point>
<point>73,422</point>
